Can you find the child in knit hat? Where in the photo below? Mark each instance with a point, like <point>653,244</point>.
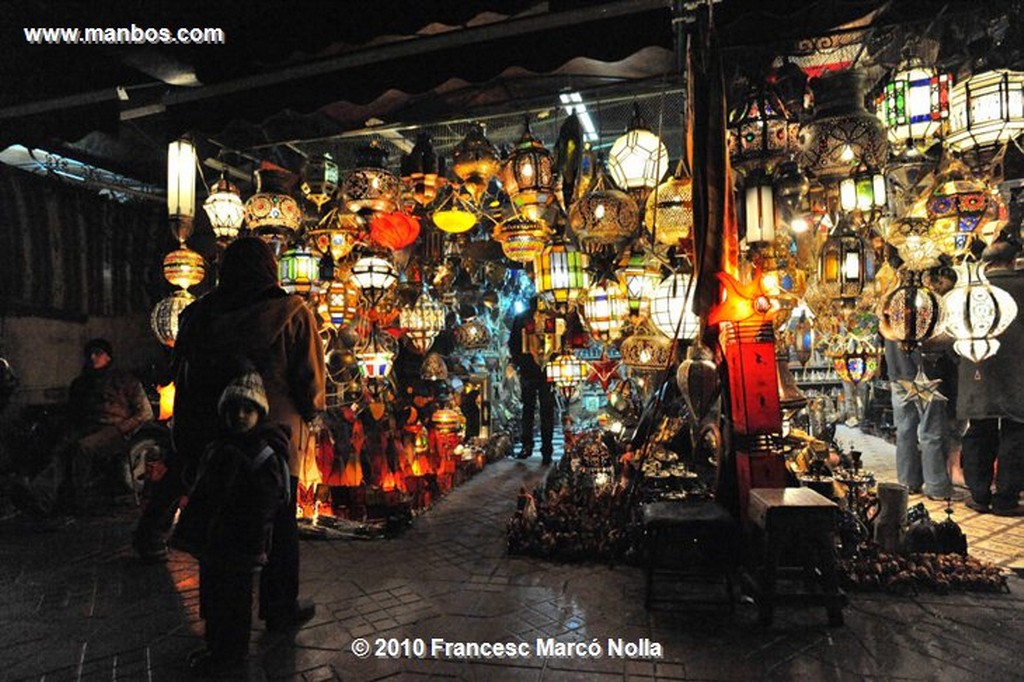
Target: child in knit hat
<point>241,482</point>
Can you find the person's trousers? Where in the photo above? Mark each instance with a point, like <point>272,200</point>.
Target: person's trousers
<point>69,473</point>
<point>279,580</point>
<point>532,391</point>
<point>159,502</point>
<point>986,442</point>
<point>225,602</point>
<point>922,443</point>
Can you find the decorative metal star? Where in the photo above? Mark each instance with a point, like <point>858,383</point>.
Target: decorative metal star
<point>922,390</point>
<point>603,372</point>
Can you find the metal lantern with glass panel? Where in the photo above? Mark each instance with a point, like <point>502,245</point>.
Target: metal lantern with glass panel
<point>854,359</point>
<point>986,112</point>
<point>604,216</point>
<point>298,270</point>
<point>646,349</point>
<point>565,371</point>
<point>422,322</point>
<point>528,176</point>
<point>913,106</point>
<point>271,210</point>
<point>841,264</point>
<point>422,171</point>
<point>760,211</point>
<point>181,188</point>
<point>374,276</point>
<point>863,192</point>
<point>560,273</point>
<point>672,307</point>
<point>376,355</point>
<point>976,313</point>
<point>475,161</point>
<point>910,312</point>
<point>371,186</point>
<point>472,334</point>
<point>225,209</point>
<point>184,267</point>
<point>638,159</point>
<point>522,239</point>
<point>336,233</point>
<point>668,215</point>
<point>957,203</point>
<point>605,307</point>
<point>319,179</point>
<point>641,274</point>
<point>761,131</point>
<point>164,318</point>
<point>342,301</point>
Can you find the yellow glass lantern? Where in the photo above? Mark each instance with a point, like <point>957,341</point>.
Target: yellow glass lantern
<point>298,270</point>
<point>641,274</point>
<point>342,301</point>
<point>454,215</point>
<point>475,161</point>
<point>184,267</point>
<point>565,371</point>
<point>957,204</point>
<point>560,273</point>
<point>605,308</point>
<point>225,209</point>
<point>528,176</point>
<point>164,318</point>
<point>181,187</point>
<point>669,212</point>
<point>522,239</point>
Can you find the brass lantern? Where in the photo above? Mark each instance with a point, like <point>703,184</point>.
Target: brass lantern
<point>528,176</point>
<point>638,159</point>
<point>337,233</point>
<point>475,161</point>
<point>561,274</point>
<point>371,186</point>
<point>605,308</point>
<point>422,322</point>
<point>854,359</point>
<point>976,313</point>
<point>646,350</point>
<point>376,355</point>
<point>225,209</point>
<point>184,267</point>
<point>604,216</point>
<point>913,106</point>
<point>422,171</point>
<point>668,215</point>
<point>319,179</point>
<point>761,131</point>
<point>909,312</point>
<point>957,204</point>
<point>522,239</point>
<point>164,318</point>
<point>841,264</point>
<point>271,210</point>
<point>472,334</point>
<point>986,112</point>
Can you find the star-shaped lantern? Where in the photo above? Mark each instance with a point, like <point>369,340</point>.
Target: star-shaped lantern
<point>921,389</point>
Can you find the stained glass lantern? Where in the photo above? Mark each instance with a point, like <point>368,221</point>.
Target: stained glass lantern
<point>803,339</point>
<point>646,350</point>
<point>759,204</point>
<point>957,204</point>
<point>976,313</point>
<point>668,215</point>
<point>184,267</point>
<point>672,307</point>
<point>448,421</point>
<point>181,187</point>
<point>638,159</point>
<point>298,270</point>
<point>913,106</point>
<point>986,112</point>
<point>910,312</point>
<point>565,371</point>
<point>841,264</point>
<point>761,131</point>
<point>854,360</point>
<point>319,179</point>
<point>422,322</point>
<point>641,274</point>
<point>863,192</point>
<point>843,134</point>
<point>394,230</point>
<point>422,172</point>
<point>337,233</point>
<point>342,301</point>
<point>605,308</point>
<point>560,273</point>
<point>604,216</point>
<point>475,161</point>
<point>374,276</point>
<point>522,239</point>
<point>376,355</point>
<point>225,209</point>
<point>434,368</point>
<point>370,186</point>
<point>164,318</point>
<point>271,210</point>
<point>454,215</point>
<point>528,176</point>
<point>472,334</point>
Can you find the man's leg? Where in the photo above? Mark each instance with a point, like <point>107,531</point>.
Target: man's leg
<point>1009,466</point>
<point>529,389</point>
<point>547,422</point>
<point>98,449</point>
<point>933,435</point>
<point>978,454</point>
<point>908,459</point>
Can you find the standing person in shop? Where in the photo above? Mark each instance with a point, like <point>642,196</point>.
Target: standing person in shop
<point>249,316</point>
<point>992,399</point>
<point>534,386</point>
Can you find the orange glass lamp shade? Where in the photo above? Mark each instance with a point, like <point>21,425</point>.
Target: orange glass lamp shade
<point>743,302</point>
<point>475,161</point>
<point>522,239</point>
<point>447,421</point>
<point>560,273</point>
<point>225,209</point>
<point>184,267</point>
<point>164,318</point>
<point>319,179</point>
<point>528,176</point>
<point>394,230</point>
<point>605,308</point>
<point>166,401</point>
<point>298,270</point>
<point>342,301</point>
<point>669,212</point>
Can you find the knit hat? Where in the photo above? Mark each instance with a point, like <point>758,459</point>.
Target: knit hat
<point>98,344</point>
<point>248,386</point>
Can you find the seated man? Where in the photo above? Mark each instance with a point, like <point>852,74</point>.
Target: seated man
<point>106,406</point>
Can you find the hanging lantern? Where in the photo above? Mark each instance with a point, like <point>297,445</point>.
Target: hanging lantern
<point>646,350</point>
<point>472,334</point>
<point>638,159</point>
<point>841,264</point>
<point>164,318</point>
<point>957,204</point>
<point>528,176</point>
<point>672,307</point>
<point>910,312</point>
<point>376,355</point>
<point>181,187</point>
<point>374,276</point>
<point>298,269</point>
<point>843,134</point>
<point>913,106</point>
<point>760,208</point>
<point>319,179</point>
<point>475,161</point>
<point>854,360</point>
<point>371,187</point>
<point>668,215</point>
<point>604,308</point>
<point>337,233</point>
<point>791,185</point>
<point>976,313</point>
<point>641,274</point>
<point>422,172</point>
<point>184,267</point>
<point>761,131</point>
<point>271,210</point>
<point>986,112</point>
<point>561,273</point>
<point>604,216</point>
<point>225,209</point>
<point>422,322</point>
<point>863,192</point>
<point>565,371</point>
<point>455,214</point>
<point>342,301</point>
<point>698,382</point>
<point>394,230</point>
<point>522,239</point>
<point>434,368</point>
<point>803,339</point>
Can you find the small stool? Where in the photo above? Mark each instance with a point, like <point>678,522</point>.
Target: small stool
<point>698,531</point>
<point>796,523</point>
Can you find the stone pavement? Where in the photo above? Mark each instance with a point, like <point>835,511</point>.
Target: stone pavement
<point>76,605</point>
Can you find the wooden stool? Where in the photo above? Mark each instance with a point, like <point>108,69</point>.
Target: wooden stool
<point>706,540</point>
<point>796,524</point>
